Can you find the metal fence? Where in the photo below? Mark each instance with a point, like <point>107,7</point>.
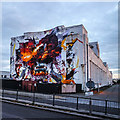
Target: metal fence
<point>88,104</point>
<point>78,103</point>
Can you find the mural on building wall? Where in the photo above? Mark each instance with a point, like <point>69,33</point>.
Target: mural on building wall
<point>46,60</point>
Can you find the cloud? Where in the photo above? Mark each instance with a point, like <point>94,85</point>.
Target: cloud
<point>114,69</point>
<point>114,9</point>
<point>116,76</point>
<point>100,20</point>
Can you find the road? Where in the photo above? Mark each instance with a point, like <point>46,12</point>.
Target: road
<point>111,93</point>
<point>25,113</point>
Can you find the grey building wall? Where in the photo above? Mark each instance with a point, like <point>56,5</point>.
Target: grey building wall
<point>95,47</point>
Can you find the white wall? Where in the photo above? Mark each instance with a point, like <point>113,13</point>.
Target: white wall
<point>97,71</point>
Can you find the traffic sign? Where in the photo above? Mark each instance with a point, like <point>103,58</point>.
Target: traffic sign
<point>90,84</point>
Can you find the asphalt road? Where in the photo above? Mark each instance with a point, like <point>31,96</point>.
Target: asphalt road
<point>111,93</point>
<point>24,113</point>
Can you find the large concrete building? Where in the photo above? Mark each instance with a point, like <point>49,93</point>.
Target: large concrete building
<point>59,55</point>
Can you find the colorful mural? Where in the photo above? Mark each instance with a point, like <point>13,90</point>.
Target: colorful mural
<point>46,60</point>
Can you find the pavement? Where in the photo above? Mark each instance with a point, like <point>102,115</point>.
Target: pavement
<point>45,98</point>
<point>30,94</point>
<point>111,94</point>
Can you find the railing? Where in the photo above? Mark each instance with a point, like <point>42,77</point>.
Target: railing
<point>78,103</point>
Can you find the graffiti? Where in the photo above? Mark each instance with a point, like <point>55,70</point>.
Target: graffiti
<point>46,60</point>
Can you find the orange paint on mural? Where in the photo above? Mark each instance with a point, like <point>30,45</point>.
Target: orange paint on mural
<point>26,56</point>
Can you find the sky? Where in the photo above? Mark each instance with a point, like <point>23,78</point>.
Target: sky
<point>99,18</point>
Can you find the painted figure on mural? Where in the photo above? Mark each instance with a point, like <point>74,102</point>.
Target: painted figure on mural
<point>48,60</point>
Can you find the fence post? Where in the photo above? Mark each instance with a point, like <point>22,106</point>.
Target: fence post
<point>3,92</point>
<point>17,95</point>
<point>90,106</point>
<point>77,104</point>
<point>33,97</point>
<point>105,107</point>
<point>53,99</point>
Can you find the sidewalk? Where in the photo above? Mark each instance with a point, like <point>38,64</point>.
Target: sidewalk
<point>29,94</point>
<point>110,94</point>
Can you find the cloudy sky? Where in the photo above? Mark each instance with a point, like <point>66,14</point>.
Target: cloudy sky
<point>99,18</point>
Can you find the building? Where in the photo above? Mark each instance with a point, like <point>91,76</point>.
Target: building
<point>4,74</point>
<point>62,55</point>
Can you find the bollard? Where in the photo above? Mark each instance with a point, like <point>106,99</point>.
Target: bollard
<point>17,95</point>
<point>105,107</point>
<point>90,106</point>
<point>77,104</point>
<point>53,99</point>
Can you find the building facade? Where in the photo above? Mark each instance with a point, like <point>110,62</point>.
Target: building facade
<point>4,74</point>
<point>60,55</point>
